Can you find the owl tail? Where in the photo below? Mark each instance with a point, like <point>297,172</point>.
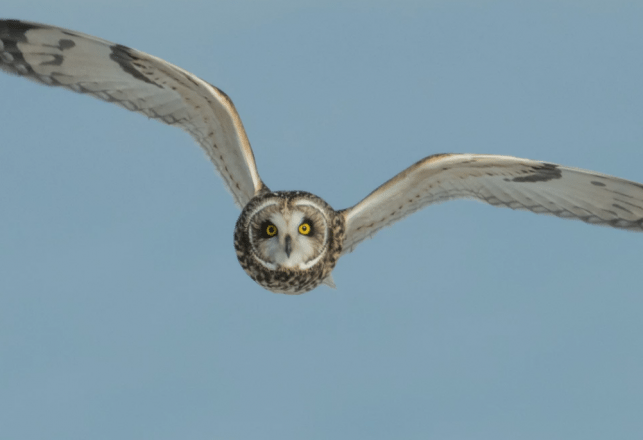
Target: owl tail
<point>329,281</point>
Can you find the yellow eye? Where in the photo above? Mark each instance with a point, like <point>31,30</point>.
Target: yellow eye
<point>271,230</point>
<point>304,229</point>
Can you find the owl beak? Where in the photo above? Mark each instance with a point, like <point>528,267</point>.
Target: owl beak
<point>288,245</point>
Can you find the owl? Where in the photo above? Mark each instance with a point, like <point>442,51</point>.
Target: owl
<point>290,241</point>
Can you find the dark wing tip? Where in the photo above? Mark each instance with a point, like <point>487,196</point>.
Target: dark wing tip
<point>14,30</point>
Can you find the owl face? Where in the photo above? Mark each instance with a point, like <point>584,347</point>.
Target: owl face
<point>288,234</point>
<point>288,241</point>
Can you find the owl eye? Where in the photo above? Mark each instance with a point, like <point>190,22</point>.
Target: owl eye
<point>271,230</point>
<point>304,229</point>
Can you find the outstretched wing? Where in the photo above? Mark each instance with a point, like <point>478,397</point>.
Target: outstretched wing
<point>138,82</point>
<point>504,181</point>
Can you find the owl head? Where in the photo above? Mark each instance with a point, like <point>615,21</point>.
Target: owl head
<point>288,241</point>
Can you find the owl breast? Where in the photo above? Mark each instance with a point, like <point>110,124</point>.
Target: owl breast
<point>288,241</point>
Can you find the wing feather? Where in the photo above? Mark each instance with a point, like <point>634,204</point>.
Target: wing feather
<point>503,181</point>
<point>137,82</point>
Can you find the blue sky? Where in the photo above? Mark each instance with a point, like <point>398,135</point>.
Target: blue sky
<point>125,315</point>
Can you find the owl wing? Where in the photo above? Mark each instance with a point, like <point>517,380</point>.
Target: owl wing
<point>503,181</point>
<point>138,82</point>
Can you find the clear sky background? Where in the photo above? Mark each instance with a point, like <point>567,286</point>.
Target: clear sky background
<point>125,315</point>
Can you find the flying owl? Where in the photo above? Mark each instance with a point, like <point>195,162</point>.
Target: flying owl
<point>290,241</point>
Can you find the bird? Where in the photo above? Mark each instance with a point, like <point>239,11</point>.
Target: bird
<point>290,241</point>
